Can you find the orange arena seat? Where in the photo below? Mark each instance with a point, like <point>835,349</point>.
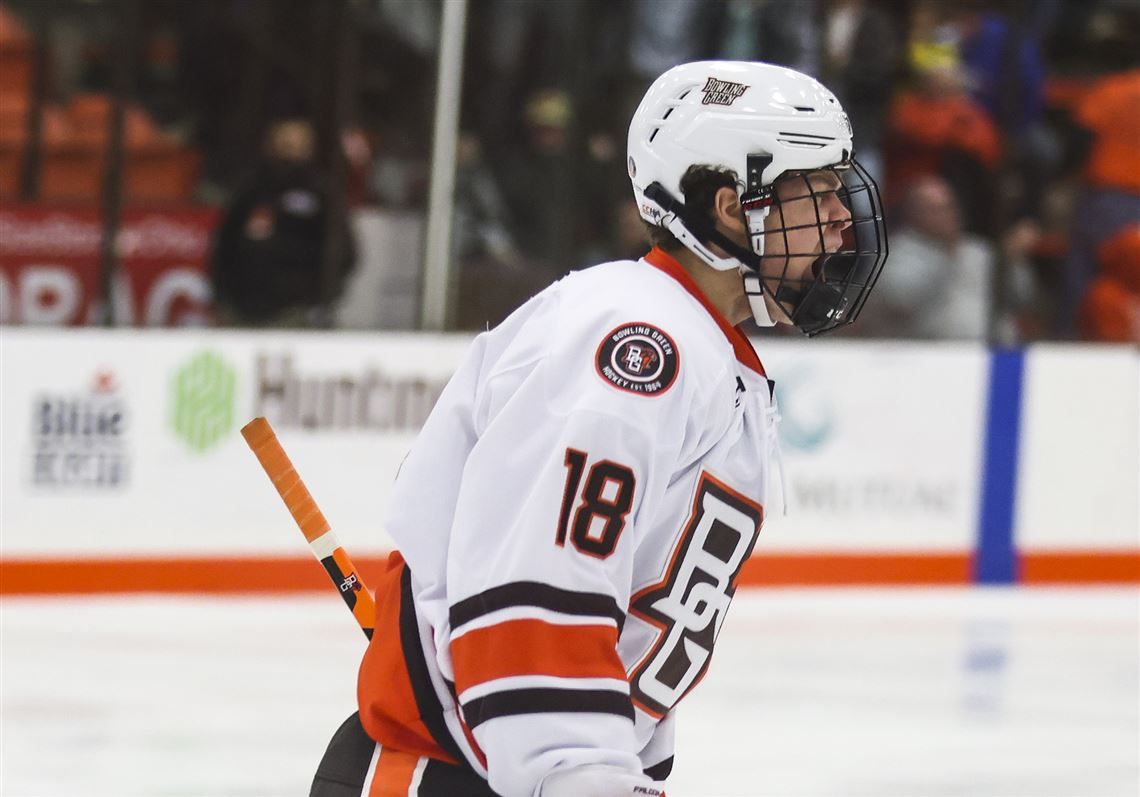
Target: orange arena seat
<point>76,147</point>
<point>163,172</point>
<point>15,54</point>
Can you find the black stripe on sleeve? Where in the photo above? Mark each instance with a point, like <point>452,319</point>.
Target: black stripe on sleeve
<point>547,701</point>
<point>534,593</point>
<point>427,701</point>
<point>660,771</point>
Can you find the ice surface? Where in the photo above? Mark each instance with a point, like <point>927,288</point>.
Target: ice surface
<point>891,693</point>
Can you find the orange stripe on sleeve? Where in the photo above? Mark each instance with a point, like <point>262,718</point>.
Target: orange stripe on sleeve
<point>534,647</point>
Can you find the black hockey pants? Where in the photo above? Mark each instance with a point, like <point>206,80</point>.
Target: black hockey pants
<point>348,766</point>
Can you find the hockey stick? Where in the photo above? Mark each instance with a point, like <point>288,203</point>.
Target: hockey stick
<point>262,440</point>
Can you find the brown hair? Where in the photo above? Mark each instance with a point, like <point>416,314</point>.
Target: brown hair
<point>699,185</point>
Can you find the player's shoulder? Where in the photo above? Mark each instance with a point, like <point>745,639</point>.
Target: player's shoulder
<point>629,339</point>
<point>627,304</point>
<point>625,283</point>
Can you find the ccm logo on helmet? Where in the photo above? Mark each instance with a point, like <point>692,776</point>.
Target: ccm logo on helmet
<point>638,358</point>
<point>649,210</point>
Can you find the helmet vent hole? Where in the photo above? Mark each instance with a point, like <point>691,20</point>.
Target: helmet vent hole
<point>804,108</point>
<point>667,112</point>
<point>791,142</point>
<point>653,135</point>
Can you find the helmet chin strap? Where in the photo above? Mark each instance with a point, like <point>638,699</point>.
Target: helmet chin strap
<point>694,244</point>
<point>754,287</point>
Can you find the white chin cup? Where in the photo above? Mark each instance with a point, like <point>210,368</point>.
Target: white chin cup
<point>757,298</point>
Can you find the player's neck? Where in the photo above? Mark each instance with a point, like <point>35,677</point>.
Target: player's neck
<point>723,289</point>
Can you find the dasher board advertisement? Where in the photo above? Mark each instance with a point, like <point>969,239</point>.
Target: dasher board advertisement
<point>123,446</point>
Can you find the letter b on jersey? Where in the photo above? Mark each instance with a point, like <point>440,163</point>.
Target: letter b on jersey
<point>690,603</point>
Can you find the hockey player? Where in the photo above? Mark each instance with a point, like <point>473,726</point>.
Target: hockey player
<point>573,517</point>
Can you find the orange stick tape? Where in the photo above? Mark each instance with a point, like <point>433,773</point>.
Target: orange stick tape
<point>262,440</point>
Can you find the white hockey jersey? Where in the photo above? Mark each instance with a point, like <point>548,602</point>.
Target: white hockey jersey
<point>573,517</point>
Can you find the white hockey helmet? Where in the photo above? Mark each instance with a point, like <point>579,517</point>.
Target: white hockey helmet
<point>761,122</point>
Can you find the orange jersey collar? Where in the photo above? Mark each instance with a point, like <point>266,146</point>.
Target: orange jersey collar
<point>662,260</point>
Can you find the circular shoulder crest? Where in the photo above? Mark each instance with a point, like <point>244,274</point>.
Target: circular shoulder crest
<point>638,358</point>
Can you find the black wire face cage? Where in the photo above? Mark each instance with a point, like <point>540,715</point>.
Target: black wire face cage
<point>833,289</point>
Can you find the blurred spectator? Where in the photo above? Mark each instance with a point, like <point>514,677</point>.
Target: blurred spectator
<point>1110,311</point>
<point>604,185</point>
<point>548,87</point>
<point>1110,197</point>
<point>862,60</point>
<point>939,283</point>
<point>1002,57</point>
<point>519,50</point>
<point>359,166</point>
<point>481,221</point>
<point>936,128</point>
<point>539,179</point>
<point>1003,61</point>
<point>273,239</point>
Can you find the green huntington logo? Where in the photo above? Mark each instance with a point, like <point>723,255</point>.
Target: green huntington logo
<point>203,401</point>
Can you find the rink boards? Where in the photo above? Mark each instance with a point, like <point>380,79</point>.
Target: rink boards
<point>123,469</point>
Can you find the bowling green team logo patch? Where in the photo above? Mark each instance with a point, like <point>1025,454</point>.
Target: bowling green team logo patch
<point>638,358</point>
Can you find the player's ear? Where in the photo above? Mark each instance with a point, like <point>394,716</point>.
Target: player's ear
<point>726,208</point>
